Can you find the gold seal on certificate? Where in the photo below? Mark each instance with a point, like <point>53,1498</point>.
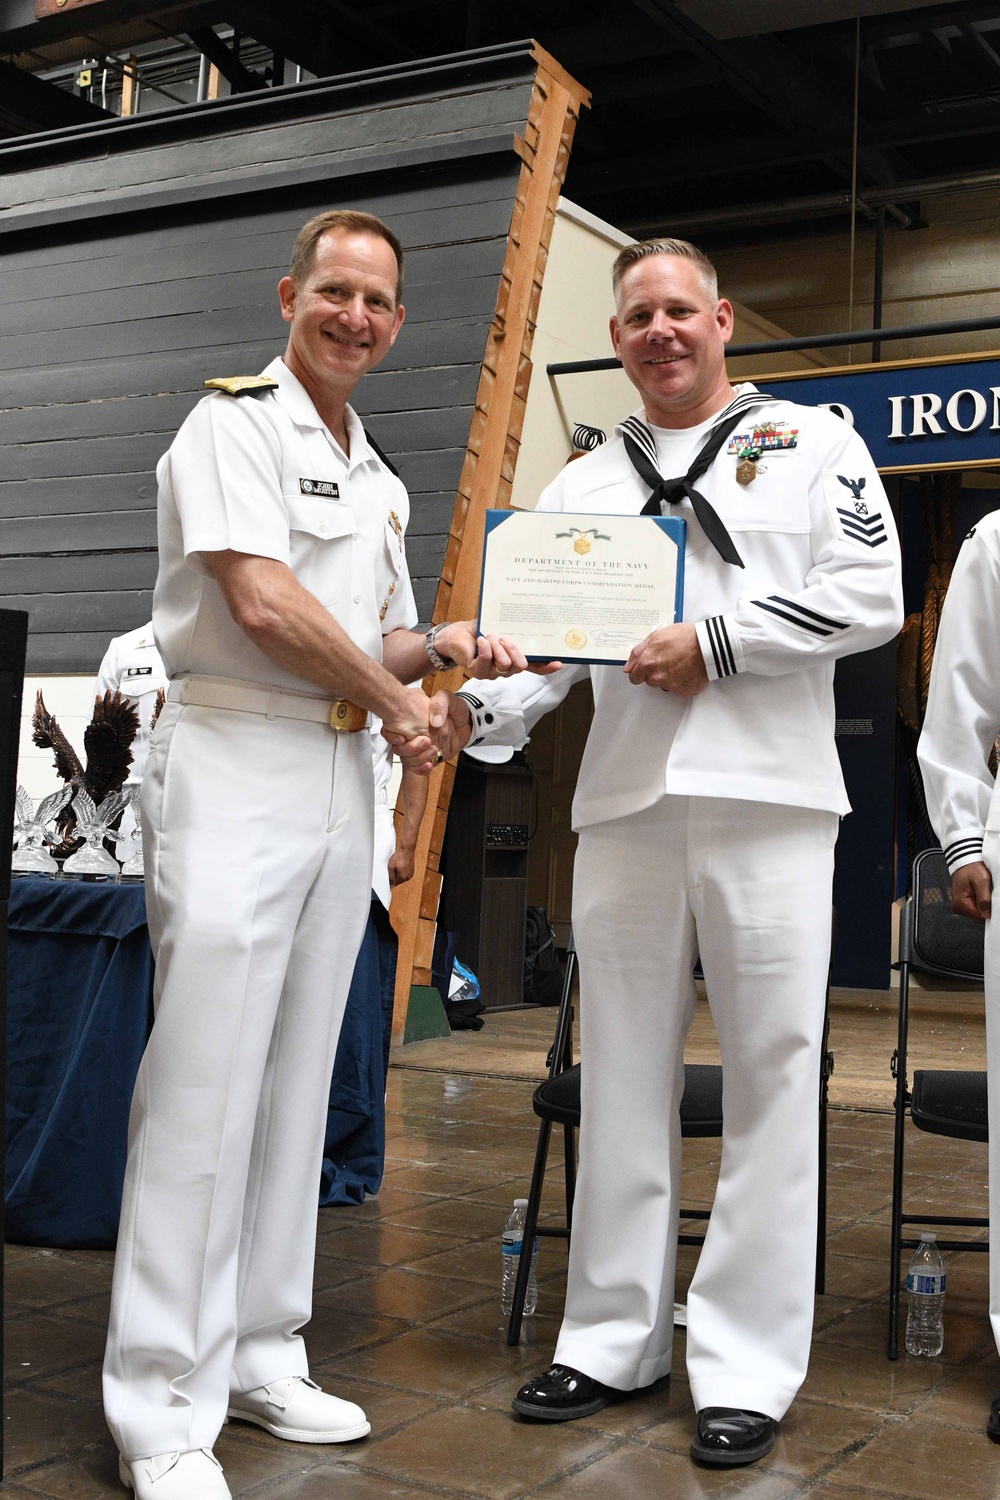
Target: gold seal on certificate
<point>580,587</point>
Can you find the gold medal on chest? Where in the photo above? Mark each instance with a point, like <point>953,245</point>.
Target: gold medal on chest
<point>746,470</point>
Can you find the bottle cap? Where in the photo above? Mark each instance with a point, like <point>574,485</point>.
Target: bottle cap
<point>520,1202</point>
<point>929,1236</point>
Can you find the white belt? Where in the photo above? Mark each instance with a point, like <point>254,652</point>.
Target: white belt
<point>246,697</point>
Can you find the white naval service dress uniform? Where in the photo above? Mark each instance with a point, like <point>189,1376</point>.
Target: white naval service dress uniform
<point>708,824</point>
<point>257,822</point>
<point>960,726</point>
<point>133,666</point>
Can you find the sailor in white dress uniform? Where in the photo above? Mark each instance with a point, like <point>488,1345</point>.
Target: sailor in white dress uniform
<point>707,816</point>
<point>960,729</point>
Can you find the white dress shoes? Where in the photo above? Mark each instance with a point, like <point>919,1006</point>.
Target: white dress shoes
<point>296,1409</point>
<point>196,1475</point>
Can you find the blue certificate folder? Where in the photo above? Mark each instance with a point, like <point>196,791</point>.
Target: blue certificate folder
<point>588,524</point>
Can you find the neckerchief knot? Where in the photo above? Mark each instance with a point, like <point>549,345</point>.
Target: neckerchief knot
<point>641,449</point>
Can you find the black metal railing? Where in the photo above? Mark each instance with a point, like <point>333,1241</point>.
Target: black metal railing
<point>817,341</point>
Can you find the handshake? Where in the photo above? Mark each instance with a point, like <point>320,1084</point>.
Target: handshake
<point>426,731</point>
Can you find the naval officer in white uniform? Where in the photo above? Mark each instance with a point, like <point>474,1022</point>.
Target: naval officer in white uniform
<point>708,804</point>
<point>282,611</point>
<point>960,727</point>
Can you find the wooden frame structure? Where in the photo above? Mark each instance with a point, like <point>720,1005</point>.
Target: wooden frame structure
<point>488,470</point>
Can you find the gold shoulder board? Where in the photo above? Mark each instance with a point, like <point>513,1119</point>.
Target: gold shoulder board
<point>242,385</point>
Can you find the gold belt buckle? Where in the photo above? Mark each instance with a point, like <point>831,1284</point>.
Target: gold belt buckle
<point>347,717</point>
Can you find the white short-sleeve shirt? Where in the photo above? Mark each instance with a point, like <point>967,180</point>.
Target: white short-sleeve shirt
<point>132,666</point>
<point>263,474</point>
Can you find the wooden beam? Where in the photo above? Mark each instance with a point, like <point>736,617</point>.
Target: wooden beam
<point>45,8</point>
<point>130,87</point>
<point>488,470</point>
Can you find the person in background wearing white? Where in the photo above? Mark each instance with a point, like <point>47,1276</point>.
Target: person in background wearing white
<point>133,666</point>
<point>960,729</point>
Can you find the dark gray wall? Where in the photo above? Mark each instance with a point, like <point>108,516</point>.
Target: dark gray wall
<point>139,258</point>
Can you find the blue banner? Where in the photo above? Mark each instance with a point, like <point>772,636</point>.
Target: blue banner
<point>912,414</point>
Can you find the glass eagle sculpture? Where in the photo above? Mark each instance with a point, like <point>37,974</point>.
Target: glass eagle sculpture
<point>31,831</point>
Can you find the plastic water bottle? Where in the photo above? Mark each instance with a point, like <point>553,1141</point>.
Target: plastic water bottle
<point>925,1284</point>
<point>510,1243</point>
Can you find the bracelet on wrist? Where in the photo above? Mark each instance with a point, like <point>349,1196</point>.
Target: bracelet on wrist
<point>438,662</point>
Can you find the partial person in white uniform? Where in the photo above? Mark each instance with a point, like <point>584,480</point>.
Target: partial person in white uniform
<point>133,666</point>
<point>283,613</point>
<point>960,728</point>
<point>708,804</point>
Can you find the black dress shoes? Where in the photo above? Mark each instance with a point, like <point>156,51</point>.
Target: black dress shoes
<point>728,1437</point>
<point>993,1425</point>
<point>561,1395</point>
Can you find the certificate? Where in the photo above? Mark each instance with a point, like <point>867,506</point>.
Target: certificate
<point>580,588</point>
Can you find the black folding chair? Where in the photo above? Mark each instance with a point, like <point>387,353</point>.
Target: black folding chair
<point>557,1102</point>
<point>935,941</point>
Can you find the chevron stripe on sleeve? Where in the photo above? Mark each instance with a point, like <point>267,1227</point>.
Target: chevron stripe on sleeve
<point>869,530</point>
<point>797,614</point>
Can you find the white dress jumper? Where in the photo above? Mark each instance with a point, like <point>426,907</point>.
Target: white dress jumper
<point>960,727</point>
<point>707,825</point>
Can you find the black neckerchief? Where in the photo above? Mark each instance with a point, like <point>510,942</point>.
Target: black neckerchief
<point>640,446</point>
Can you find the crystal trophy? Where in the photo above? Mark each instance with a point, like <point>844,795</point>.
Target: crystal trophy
<point>133,868</point>
<point>31,835</point>
<point>92,826</point>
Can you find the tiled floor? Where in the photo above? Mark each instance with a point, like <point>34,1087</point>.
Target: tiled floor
<point>407,1321</point>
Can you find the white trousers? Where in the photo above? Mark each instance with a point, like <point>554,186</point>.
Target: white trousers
<point>258,844</point>
<point>748,885</point>
<point>991,855</point>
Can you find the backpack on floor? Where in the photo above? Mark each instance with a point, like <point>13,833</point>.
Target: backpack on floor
<point>542,974</point>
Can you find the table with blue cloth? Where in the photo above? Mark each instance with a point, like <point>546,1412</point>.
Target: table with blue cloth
<point>79,1012</point>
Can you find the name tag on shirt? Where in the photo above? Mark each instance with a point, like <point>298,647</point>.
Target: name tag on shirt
<point>139,672</point>
<point>324,487</point>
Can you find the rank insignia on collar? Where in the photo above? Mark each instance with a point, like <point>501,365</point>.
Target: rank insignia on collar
<point>242,385</point>
<point>325,487</point>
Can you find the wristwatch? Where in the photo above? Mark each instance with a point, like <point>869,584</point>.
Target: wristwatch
<point>438,662</point>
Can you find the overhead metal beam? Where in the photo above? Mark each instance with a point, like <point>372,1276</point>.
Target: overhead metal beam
<point>306,33</point>
<point>28,104</point>
<point>666,76</point>
<point>812,205</point>
<point>240,79</point>
<point>761,153</point>
<point>20,30</point>
<point>985,59</point>
<point>768,74</point>
<point>879,29</point>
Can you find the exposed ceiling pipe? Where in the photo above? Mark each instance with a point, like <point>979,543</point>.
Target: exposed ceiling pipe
<point>815,205</point>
